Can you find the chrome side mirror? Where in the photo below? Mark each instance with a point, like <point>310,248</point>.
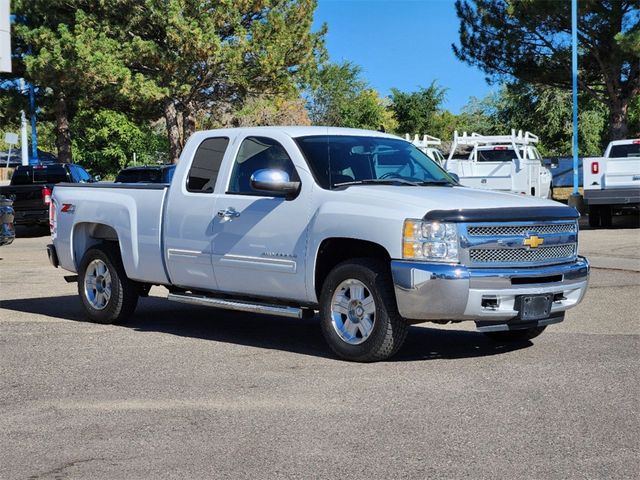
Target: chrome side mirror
<point>275,181</point>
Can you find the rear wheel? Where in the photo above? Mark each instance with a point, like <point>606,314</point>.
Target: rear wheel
<point>107,295</point>
<point>515,335</point>
<point>594,215</point>
<point>359,316</point>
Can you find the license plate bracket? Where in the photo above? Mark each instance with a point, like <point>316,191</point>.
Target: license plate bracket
<point>534,307</point>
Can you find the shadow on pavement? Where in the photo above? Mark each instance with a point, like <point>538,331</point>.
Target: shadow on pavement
<point>298,336</point>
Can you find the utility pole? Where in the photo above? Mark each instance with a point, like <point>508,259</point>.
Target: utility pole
<point>575,200</point>
<point>24,143</point>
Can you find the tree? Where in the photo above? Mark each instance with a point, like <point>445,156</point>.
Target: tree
<point>416,112</point>
<point>340,97</point>
<point>72,56</point>
<point>530,41</point>
<point>203,53</point>
<point>544,111</point>
<point>105,141</point>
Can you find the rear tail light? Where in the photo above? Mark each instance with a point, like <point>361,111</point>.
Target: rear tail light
<point>46,195</point>
<point>636,142</point>
<point>595,168</point>
<point>52,218</point>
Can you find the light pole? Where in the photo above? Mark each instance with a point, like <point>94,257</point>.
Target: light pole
<point>575,200</point>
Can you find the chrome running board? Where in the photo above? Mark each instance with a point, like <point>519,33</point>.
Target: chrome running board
<point>239,306</point>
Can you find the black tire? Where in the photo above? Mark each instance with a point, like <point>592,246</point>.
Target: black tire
<point>506,336</point>
<point>124,292</point>
<point>594,216</point>
<point>606,216</point>
<point>389,328</point>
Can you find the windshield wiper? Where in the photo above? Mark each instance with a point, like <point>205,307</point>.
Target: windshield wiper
<point>383,181</point>
<point>436,183</point>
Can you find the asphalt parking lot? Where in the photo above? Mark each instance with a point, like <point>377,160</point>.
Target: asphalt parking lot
<point>187,392</point>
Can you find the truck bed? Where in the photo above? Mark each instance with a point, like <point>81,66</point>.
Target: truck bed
<point>135,211</point>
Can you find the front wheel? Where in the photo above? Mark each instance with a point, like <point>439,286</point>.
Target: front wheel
<point>515,335</point>
<point>107,295</point>
<point>358,312</point>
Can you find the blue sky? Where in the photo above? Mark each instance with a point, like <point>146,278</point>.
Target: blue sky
<point>401,43</point>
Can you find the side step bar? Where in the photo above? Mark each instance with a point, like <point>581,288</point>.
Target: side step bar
<point>239,306</point>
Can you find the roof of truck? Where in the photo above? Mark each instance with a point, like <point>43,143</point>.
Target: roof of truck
<point>302,131</point>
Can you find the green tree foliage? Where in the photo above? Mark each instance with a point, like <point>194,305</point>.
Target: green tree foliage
<point>529,40</point>
<point>105,141</point>
<point>202,53</point>
<point>543,111</point>
<point>73,56</point>
<point>341,97</point>
<point>161,58</point>
<point>417,111</point>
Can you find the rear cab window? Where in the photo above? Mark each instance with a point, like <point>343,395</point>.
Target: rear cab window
<point>39,174</point>
<point>205,167</point>
<point>625,151</point>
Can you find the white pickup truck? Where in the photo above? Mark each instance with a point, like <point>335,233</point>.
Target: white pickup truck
<point>612,183</point>
<point>506,163</point>
<point>359,225</point>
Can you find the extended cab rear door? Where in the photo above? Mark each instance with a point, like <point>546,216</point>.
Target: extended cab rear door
<point>260,239</point>
<point>191,215</point>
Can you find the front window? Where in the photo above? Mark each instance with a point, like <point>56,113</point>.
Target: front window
<point>341,160</point>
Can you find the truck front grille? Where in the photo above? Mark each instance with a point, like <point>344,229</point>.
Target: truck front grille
<point>518,244</point>
<point>501,230</point>
<point>522,255</point>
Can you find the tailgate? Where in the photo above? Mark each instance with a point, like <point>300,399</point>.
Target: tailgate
<point>622,172</point>
<point>26,197</point>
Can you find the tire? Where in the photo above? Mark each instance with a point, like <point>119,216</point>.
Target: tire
<point>358,313</point>
<point>606,215</point>
<point>101,272</point>
<point>594,216</point>
<point>515,335</point>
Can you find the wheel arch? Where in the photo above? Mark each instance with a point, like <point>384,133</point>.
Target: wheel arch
<point>88,234</point>
<point>335,250</point>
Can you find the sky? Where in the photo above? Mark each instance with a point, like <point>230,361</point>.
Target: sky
<point>401,43</point>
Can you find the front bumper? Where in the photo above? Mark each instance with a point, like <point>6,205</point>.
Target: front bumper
<point>432,291</point>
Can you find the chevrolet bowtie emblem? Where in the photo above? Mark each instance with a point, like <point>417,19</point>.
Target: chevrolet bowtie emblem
<point>533,241</point>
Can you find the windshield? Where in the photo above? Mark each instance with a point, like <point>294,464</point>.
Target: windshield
<point>342,159</point>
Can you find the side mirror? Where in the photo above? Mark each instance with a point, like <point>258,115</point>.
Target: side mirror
<point>454,176</point>
<point>555,162</point>
<point>274,181</point>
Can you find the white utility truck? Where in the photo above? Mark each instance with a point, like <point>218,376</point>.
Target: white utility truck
<point>428,145</point>
<point>507,163</point>
<point>359,225</point>
<point>612,183</point>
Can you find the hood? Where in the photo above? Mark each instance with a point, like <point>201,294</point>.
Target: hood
<point>444,198</point>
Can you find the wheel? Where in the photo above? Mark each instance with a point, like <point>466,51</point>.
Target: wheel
<point>606,214</point>
<point>108,296</point>
<point>515,335</point>
<point>594,216</point>
<point>358,312</point>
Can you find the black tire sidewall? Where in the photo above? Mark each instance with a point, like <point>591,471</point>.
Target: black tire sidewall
<point>119,304</point>
<point>372,274</point>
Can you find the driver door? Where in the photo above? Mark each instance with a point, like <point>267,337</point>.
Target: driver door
<point>259,239</point>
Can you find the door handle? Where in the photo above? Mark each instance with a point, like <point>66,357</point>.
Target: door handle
<point>229,212</point>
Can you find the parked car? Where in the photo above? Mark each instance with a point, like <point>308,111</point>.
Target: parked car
<point>507,163</point>
<point>612,182</point>
<point>7,232</point>
<point>146,174</point>
<point>359,225</point>
<point>31,188</point>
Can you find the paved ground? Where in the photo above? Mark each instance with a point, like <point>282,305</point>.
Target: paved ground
<point>185,392</point>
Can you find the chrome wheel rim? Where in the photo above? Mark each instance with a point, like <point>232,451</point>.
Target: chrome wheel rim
<point>97,284</point>
<point>353,311</point>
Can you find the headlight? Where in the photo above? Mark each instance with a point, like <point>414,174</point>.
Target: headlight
<point>433,241</point>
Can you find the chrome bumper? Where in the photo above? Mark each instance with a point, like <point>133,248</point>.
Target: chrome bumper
<point>432,291</point>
